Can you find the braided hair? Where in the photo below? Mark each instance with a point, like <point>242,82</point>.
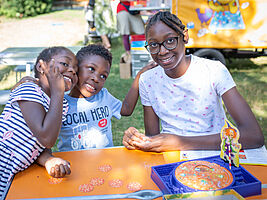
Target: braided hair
<point>167,18</point>
<point>94,49</point>
<point>46,55</point>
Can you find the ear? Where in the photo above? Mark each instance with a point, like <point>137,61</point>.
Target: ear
<point>186,36</point>
<point>39,68</point>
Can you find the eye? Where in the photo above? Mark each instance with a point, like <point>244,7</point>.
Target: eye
<point>64,64</point>
<point>153,45</point>
<point>91,69</point>
<point>170,40</point>
<point>102,76</point>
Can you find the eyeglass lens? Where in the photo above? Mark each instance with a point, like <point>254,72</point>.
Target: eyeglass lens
<point>169,44</point>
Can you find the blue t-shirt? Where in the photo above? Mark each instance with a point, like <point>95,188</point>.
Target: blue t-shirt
<point>88,122</point>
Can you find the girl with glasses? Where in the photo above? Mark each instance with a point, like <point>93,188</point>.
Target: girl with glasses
<point>182,97</point>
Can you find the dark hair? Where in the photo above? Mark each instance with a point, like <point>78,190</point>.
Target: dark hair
<point>94,49</point>
<point>47,54</point>
<point>167,18</point>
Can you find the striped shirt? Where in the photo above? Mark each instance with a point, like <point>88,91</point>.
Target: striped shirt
<point>19,148</point>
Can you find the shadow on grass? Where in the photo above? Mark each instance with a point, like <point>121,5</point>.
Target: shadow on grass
<point>243,63</point>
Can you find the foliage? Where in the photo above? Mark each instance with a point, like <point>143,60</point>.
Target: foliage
<point>24,8</point>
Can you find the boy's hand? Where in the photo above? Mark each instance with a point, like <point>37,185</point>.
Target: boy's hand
<point>24,80</point>
<point>57,167</point>
<point>133,138</point>
<point>149,65</point>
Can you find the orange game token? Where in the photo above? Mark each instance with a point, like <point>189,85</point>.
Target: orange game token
<point>86,187</point>
<point>134,186</point>
<point>104,168</point>
<point>53,180</point>
<point>96,181</point>
<point>115,183</point>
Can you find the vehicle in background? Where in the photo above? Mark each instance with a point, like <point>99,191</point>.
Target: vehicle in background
<point>220,29</point>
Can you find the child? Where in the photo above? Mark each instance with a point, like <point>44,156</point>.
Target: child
<point>185,93</point>
<point>31,119</point>
<point>91,107</point>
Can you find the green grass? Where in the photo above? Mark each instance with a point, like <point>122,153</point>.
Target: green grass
<point>250,76</point>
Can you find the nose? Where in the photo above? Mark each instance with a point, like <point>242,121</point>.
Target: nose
<point>162,50</point>
<point>95,77</point>
<point>72,69</point>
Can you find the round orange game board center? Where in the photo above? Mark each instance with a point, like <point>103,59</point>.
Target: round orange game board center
<point>203,175</point>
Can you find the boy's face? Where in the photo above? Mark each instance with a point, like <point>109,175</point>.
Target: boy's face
<point>92,75</point>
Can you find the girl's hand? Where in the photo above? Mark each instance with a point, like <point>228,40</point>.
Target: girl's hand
<point>57,167</point>
<point>24,80</point>
<point>54,77</point>
<point>132,138</point>
<point>160,143</point>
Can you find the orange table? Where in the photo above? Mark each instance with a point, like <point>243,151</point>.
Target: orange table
<point>129,166</point>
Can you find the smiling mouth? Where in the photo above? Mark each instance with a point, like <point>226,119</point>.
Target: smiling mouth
<point>90,88</point>
<point>166,60</point>
<point>68,79</point>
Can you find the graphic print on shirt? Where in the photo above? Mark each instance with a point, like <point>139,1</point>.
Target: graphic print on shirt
<point>89,128</point>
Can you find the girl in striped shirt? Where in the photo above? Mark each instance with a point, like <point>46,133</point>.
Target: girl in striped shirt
<point>31,119</point>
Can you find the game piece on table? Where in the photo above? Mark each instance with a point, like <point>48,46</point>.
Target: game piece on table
<point>105,168</point>
<point>229,146</point>
<point>96,181</point>
<point>115,183</point>
<point>53,180</point>
<point>86,188</point>
<point>134,186</point>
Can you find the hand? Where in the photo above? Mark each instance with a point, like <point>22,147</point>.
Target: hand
<point>24,80</point>
<point>57,167</point>
<point>160,143</point>
<point>132,138</point>
<point>54,77</point>
<point>149,66</point>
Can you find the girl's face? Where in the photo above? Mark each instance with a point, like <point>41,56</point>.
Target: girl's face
<point>93,72</point>
<point>68,67</point>
<point>170,60</point>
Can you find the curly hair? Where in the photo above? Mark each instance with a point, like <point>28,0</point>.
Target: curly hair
<point>167,18</point>
<point>47,54</point>
<point>94,49</point>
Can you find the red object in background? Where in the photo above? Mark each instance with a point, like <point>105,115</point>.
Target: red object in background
<point>138,37</point>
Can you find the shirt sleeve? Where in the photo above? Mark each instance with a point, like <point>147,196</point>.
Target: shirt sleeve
<point>221,78</point>
<point>28,92</point>
<point>143,92</point>
<point>115,105</point>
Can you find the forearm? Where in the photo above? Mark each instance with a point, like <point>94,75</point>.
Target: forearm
<point>209,142</point>
<point>52,121</point>
<point>250,137</point>
<point>131,98</point>
<point>44,157</point>
<point>171,142</point>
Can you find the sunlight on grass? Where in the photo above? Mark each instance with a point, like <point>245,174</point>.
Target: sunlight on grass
<point>7,77</point>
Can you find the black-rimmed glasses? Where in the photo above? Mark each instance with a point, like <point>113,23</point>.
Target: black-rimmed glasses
<point>170,44</point>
